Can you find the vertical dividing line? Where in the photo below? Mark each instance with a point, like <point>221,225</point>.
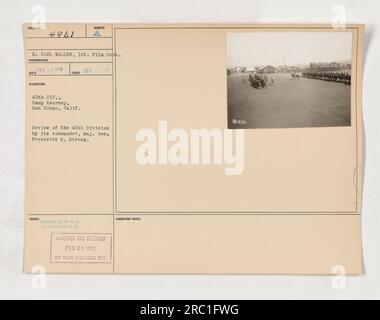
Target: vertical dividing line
<point>115,110</point>
<point>357,102</point>
<point>113,149</point>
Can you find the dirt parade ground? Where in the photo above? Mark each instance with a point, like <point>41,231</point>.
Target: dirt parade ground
<point>287,103</point>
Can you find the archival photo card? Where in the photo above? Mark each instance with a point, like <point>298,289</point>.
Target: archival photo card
<point>289,79</point>
<point>130,166</point>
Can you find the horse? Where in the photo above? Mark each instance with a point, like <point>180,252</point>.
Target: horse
<point>295,76</point>
<point>257,81</point>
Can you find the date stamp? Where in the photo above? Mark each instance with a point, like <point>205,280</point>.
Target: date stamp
<point>85,248</point>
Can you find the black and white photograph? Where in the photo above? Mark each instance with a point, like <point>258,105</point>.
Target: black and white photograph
<point>289,79</point>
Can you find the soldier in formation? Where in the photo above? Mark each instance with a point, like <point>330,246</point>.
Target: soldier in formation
<point>335,76</point>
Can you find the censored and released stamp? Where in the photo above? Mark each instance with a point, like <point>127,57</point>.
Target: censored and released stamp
<point>87,248</point>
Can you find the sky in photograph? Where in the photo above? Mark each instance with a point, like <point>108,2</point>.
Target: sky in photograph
<point>251,49</point>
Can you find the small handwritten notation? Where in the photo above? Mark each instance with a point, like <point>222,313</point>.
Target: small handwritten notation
<point>62,34</point>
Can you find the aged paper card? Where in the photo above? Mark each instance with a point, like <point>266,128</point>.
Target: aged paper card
<point>222,149</point>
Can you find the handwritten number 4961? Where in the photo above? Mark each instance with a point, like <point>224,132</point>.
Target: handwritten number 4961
<point>61,34</point>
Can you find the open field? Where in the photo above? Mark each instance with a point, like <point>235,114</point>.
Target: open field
<point>288,103</point>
